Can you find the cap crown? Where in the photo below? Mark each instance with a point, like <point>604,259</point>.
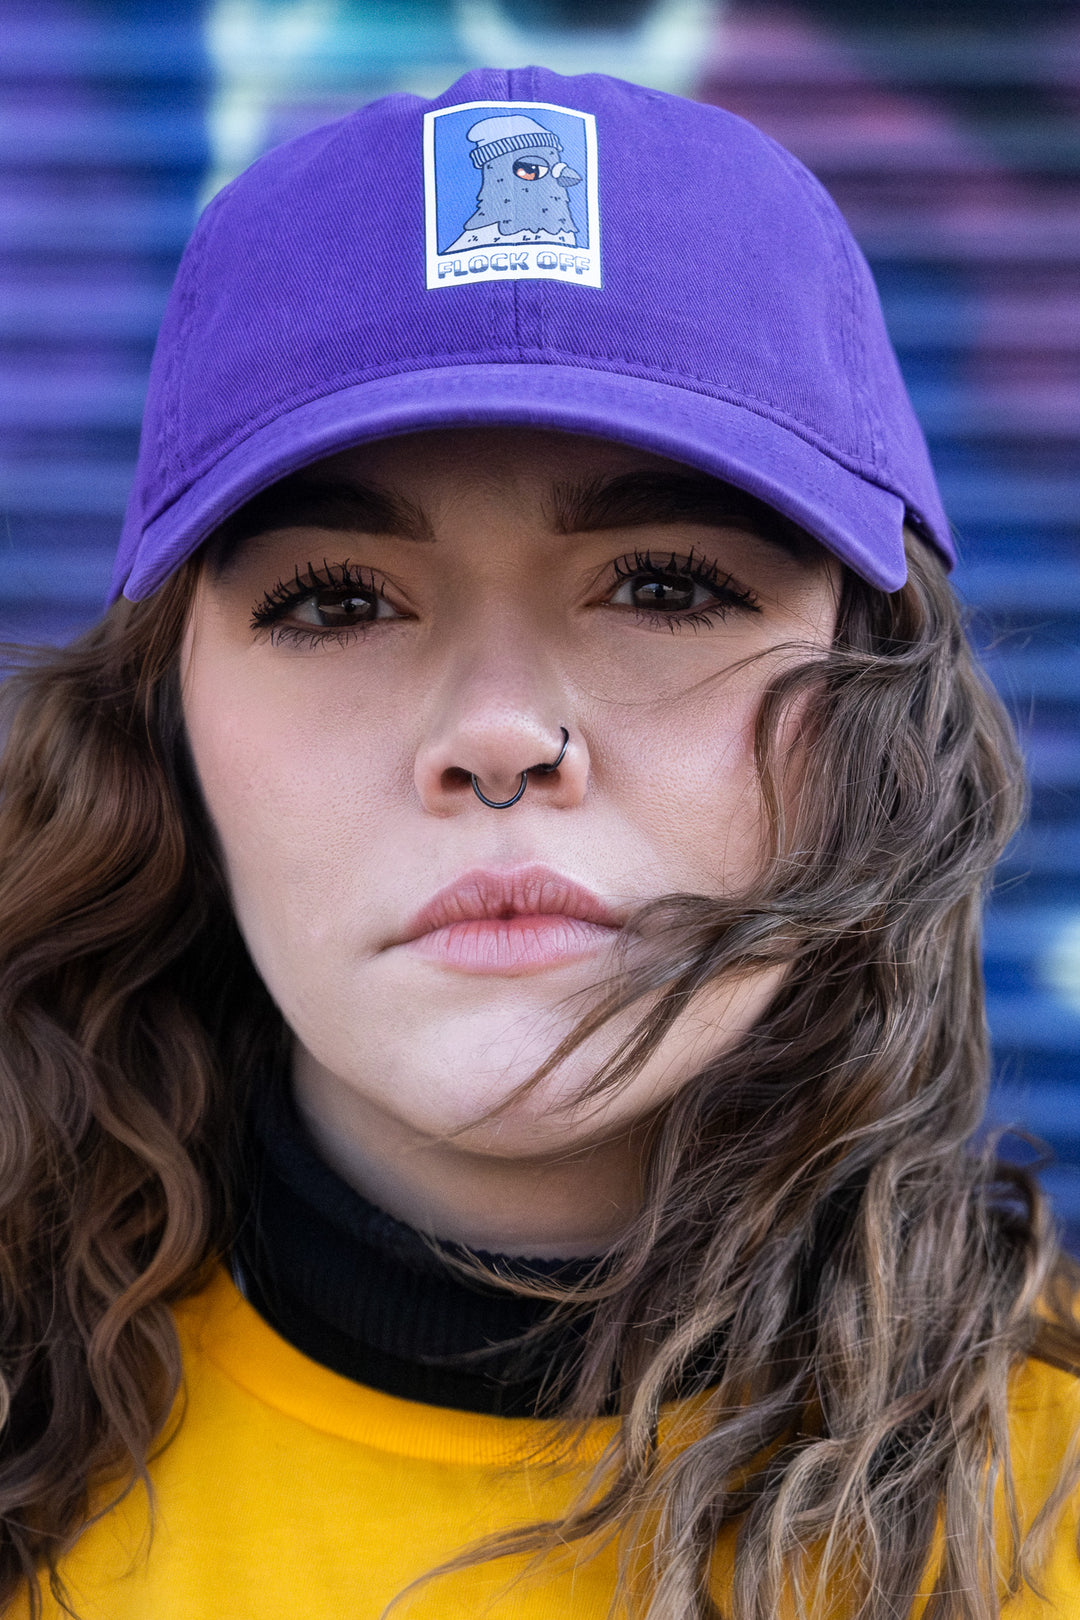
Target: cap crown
<point>725,271</point>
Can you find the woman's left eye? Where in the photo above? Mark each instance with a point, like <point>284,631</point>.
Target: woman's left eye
<point>678,587</point>
<point>670,593</point>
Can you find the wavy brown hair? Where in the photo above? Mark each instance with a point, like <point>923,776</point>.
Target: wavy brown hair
<point>822,1254</point>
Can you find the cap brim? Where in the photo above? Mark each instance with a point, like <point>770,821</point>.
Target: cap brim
<point>860,521</point>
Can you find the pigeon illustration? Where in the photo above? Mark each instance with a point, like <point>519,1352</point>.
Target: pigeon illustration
<point>524,186</point>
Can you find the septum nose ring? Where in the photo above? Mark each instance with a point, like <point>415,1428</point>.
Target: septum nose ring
<point>542,770</point>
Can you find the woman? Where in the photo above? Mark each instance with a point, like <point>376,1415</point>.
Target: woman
<point>493,1028</point>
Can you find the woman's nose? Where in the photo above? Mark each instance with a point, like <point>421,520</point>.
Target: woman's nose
<point>491,748</point>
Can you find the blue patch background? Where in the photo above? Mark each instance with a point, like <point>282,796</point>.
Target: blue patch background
<point>457,179</point>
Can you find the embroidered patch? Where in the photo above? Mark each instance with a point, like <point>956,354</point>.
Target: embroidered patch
<point>510,194</point>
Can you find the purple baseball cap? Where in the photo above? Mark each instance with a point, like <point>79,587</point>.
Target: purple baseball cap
<point>531,250</point>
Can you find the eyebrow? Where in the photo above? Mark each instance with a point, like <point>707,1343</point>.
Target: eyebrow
<point>636,499</point>
<point>625,501</point>
<point>306,503</point>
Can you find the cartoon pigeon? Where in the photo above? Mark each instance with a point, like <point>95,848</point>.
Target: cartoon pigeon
<point>523,192</point>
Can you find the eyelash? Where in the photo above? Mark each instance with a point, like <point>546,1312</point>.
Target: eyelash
<point>286,594</point>
<point>730,596</point>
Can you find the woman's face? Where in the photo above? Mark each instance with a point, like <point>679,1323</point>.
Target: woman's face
<point>421,611</point>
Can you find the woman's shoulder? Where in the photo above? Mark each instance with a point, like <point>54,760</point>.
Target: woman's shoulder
<point>1044,1453</point>
<point>1044,1390</point>
<point>1044,1410</point>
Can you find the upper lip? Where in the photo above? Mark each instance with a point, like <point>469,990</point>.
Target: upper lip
<point>523,891</point>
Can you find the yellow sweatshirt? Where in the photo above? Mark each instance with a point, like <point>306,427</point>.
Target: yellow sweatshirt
<point>291,1493</point>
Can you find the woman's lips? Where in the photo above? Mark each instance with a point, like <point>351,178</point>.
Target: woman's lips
<point>511,922</point>
<point>511,944</point>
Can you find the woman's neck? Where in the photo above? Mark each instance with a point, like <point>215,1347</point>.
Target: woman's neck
<point>369,1297</point>
<point>555,1206</point>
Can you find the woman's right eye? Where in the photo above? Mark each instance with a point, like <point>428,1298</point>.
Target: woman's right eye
<point>336,608</point>
<point>333,597</point>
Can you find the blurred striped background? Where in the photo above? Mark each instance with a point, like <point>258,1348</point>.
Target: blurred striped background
<point>948,131</point>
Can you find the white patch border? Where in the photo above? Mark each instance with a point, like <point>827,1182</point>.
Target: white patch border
<point>535,272</point>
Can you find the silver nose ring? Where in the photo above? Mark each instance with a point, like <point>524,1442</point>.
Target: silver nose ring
<point>542,770</point>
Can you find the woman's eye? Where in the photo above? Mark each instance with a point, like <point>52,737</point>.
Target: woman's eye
<point>345,605</point>
<point>683,590</point>
<point>300,608</point>
<point>530,171</point>
<point>662,591</point>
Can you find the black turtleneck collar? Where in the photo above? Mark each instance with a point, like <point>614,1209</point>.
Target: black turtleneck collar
<point>366,1296</point>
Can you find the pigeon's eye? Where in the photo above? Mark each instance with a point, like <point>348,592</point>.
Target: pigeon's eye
<point>529,169</point>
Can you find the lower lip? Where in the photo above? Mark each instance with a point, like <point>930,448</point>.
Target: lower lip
<point>512,945</point>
